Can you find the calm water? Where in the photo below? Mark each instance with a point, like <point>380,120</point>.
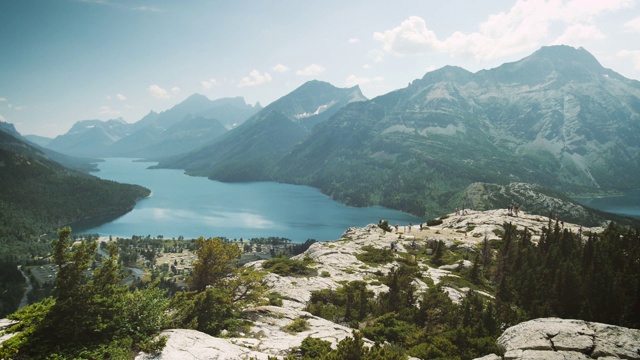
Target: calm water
<point>627,205</point>
<point>196,206</point>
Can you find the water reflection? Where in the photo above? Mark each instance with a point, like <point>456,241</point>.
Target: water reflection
<point>195,206</point>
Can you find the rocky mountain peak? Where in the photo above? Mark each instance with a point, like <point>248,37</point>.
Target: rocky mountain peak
<point>559,62</point>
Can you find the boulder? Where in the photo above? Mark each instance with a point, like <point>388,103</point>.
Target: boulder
<point>566,339</point>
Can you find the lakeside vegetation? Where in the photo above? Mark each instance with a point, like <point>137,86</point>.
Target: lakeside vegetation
<point>39,196</point>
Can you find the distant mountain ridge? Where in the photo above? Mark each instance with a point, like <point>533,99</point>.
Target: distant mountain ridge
<point>249,152</point>
<point>155,134</point>
<point>556,118</point>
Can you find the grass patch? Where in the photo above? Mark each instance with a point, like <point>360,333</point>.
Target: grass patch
<point>285,266</point>
<point>275,298</point>
<point>373,256</point>
<point>296,326</point>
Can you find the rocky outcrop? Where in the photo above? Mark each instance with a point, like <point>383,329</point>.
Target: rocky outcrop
<point>267,337</point>
<point>5,324</point>
<point>336,262</point>
<point>564,339</point>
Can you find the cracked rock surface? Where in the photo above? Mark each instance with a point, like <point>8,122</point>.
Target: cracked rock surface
<point>565,339</point>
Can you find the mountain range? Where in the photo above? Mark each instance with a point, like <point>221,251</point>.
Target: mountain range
<point>187,126</point>
<point>556,118</point>
<point>250,151</point>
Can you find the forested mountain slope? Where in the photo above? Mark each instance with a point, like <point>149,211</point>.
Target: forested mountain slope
<point>250,151</point>
<point>556,118</point>
<point>39,195</point>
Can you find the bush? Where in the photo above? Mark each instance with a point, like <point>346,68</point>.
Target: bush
<point>296,326</point>
<point>285,266</point>
<point>384,225</point>
<point>275,299</point>
<point>434,222</point>
<point>375,255</point>
<point>312,348</point>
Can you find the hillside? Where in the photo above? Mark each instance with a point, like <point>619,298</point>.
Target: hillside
<point>337,263</point>
<point>193,123</point>
<point>447,288</point>
<point>250,151</point>
<point>556,118</point>
<point>38,196</point>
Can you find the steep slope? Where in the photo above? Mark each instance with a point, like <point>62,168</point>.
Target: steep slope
<point>556,118</point>
<point>249,152</point>
<point>191,133</point>
<point>90,137</point>
<point>174,131</point>
<point>82,164</point>
<point>38,140</point>
<point>148,136</point>
<point>40,194</point>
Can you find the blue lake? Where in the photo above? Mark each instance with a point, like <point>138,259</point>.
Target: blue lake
<point>626,205</point>
<point>182,205</point>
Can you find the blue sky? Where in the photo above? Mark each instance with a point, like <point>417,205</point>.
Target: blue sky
<point>62,61</point>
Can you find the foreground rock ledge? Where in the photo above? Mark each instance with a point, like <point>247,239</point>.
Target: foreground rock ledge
<point>563,339</point>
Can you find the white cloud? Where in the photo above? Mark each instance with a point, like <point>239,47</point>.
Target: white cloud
<point>280,68</point>
<point>353,80</point>
<point>254,79</point>
<point>3,99</point>
<point>411,37</point>
<point>633,25</point>
<point>578,33</point>
<point>376,55</point>
<point>121,97</point>
<point>313,69</point>
<point>367,66</point>
<point>353,40</point>
<point>2,118</point>
<point>208,84</point>
<point>634,55</point>
<point>147,9</point>
<point>524,27</point>
<point>158,92</point>
<point>107,110</point>
<point>17,108</point>
<point>175,89</point>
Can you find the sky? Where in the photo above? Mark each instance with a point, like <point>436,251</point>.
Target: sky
<point>62,61</point>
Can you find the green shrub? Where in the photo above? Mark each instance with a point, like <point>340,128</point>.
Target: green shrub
<point>312,348</point>
<point>325,274</point>
<point>434,222</point>
<point>296,326</point>
<point>275,298</point>
<point>374,255</point>
<point>384,225</point>
<point>285,266</point>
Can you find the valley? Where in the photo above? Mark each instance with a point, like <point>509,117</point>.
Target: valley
<point>222,191</point>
